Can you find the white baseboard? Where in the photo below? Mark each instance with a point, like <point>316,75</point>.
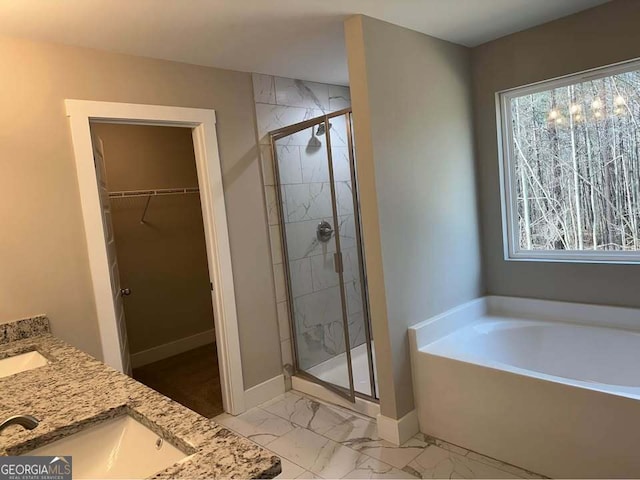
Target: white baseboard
<point>398,431</point>
<point>263,392</point>
<point>170,349</point>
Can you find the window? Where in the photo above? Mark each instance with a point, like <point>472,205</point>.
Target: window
<point>571,167</point>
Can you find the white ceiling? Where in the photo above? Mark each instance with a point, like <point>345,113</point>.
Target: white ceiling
<point>293,38</point>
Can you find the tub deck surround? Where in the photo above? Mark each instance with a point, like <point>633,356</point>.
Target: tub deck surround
<point>75,391</point>
<point>549,386</point>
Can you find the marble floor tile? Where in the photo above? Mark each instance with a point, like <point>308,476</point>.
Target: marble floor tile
<point>316,440</point>
<point>308,413</point>
<point>354,431</point>
<point>307,475</point>
<point>290,470</point>
<point>256,424</point>
<point>503,466</point>
<point>316,453</point>
<point>441,443</point>
<point>436,462</point>
<point>372,468</point>
<point>397,456</point>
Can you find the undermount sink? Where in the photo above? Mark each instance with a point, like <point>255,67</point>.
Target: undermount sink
<point>118,448</point>
<point>21,363</point>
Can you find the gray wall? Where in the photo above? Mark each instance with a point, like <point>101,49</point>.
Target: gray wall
<point>411,97</point>
<point>44,266</point>
<point>595,37</point>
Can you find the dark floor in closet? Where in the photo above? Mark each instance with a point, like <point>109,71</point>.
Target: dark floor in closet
<point>191,378</point>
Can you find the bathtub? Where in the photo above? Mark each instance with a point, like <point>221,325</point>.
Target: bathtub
<point>551,387</point>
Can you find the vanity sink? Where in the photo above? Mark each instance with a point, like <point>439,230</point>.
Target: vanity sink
<point>21,363</point>
<point>118,448</point>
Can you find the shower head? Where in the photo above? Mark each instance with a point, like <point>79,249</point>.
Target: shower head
<point>322,129</point>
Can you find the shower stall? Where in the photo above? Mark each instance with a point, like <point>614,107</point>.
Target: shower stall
<point>317,195</point>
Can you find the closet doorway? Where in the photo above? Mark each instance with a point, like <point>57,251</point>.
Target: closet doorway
<point>157,252</point>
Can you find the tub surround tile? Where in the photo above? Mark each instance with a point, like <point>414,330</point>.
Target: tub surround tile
<point>314,163</point>
<point>266,160</point>
<point>283,320</point>
<point>347,231</point>
<point>273,212</point>
<point>301,283</point>
<point>357,332</point>
<point>24,328</point>
<point>298,93</point>
<point>275,243</point>
<point>302,240</point>
<point>318,308</point>
<point>341,164</point>
<point>286,350</point>
<point>353,292</point>
<point>308,201</point>
<point>264,89</point>
<point>344,198</point>
<point>289,164</point>
<point>280,285</point>
<point>339,97</point>
<point>436,462</point>
<point>323,272</point>
<point>339,132</point>
<point>75,390</point>
<point>274,117</point>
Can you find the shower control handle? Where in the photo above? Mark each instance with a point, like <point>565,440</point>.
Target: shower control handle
<point>324,232</point>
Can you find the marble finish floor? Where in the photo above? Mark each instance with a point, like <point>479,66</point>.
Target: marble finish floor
<point>318,440</point>
<point>191,378</point>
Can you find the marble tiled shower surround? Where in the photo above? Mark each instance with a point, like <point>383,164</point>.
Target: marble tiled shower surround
<point>306,198</point>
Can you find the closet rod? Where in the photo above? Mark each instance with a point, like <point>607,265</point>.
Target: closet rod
<point>153,193</point>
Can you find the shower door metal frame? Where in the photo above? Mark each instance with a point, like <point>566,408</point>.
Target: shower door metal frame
<point>274,136</point>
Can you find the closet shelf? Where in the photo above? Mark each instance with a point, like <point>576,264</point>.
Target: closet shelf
<point>152,193</point>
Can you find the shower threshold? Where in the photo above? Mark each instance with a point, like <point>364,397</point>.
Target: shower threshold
<point>334,370</point>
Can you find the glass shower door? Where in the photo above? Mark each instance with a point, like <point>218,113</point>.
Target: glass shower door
<point>313,263</point>
<point>351,249</point>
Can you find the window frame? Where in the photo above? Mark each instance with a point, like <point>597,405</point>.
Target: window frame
<point>508,183</point>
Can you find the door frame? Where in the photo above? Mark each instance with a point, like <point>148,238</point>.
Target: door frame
<point>203,125</point>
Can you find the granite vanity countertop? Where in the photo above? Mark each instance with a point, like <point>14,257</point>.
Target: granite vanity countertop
<point>75,391</point>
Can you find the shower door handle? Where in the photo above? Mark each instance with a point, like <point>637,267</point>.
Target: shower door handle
<point>125,292</point>
<point>337,262</point>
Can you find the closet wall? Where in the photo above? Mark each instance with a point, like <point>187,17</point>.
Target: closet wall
<point>164,260</point>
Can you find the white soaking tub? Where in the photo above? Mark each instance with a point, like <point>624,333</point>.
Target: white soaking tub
<point>552,387</point>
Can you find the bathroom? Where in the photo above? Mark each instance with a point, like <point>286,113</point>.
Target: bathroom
<point>364,225</point>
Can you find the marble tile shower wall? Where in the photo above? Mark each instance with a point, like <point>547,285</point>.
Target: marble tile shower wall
<point>306,198</point>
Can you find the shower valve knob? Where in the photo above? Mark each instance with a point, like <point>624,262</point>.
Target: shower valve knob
<point>324,231</point>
